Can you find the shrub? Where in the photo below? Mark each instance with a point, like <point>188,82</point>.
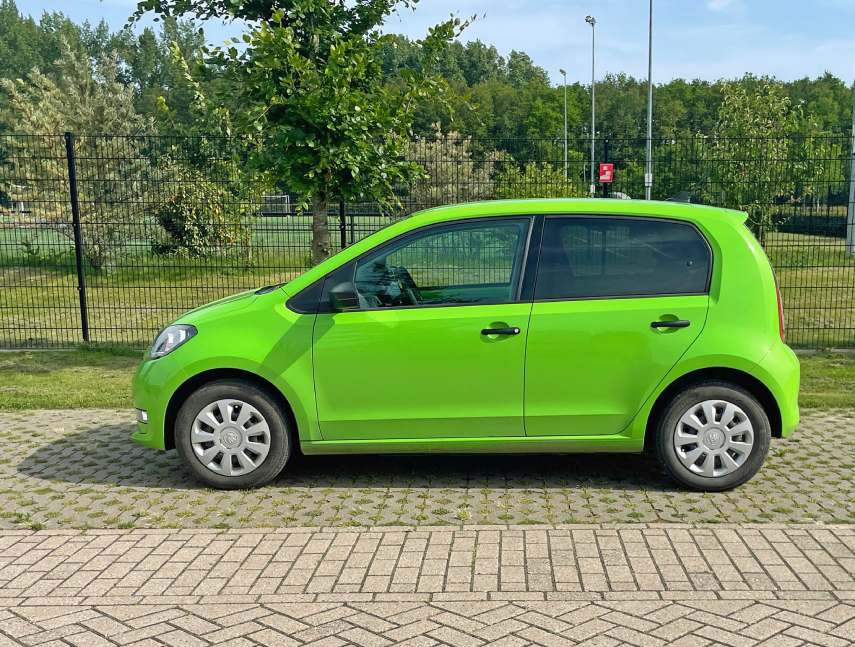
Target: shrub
<point>199,220</point>
<point>536,180</point>
<point>453,171</point>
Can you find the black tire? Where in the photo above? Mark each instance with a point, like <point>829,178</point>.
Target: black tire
<point>693,396</point>
<point>280,438</point>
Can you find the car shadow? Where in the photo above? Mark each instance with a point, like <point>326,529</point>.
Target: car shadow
<point>106,455</point>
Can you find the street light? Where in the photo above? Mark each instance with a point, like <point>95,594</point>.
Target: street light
<point>850,212</point>
<point>592,21</point>
<point>564,74</point>
<point>648,171</point>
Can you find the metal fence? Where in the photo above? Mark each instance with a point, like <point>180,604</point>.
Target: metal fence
<point>108,238</point>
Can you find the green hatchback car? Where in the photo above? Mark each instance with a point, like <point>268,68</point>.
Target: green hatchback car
<point>517,326</point>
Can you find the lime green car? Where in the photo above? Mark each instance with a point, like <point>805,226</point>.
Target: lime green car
<point>516,326</point>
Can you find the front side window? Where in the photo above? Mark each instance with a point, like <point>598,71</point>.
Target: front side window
<point>463,263</point>
<point>619,257</point>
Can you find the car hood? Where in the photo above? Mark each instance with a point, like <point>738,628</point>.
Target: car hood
<point>218,308</point>
<point>240,296</point>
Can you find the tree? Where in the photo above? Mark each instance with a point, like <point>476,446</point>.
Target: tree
<point>477,74</point>
<point>145,62</point>
<point>453,171</point>
<point>817,159</point>
<point>480,62</point>
<point>749,149</point>
<point>113,172</point>
<point>19,42</point>
<point>154,64</point>
<point>523,71</point>
<point>311,81</point>
<point>827,98</point>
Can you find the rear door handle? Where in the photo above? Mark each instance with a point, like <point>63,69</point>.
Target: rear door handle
<point>500,331</point>
<point>676,323</point>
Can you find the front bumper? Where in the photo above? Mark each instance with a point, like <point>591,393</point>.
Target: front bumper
<point>150,394</point>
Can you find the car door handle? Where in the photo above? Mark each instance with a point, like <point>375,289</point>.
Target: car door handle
<point>675,323</point>
<point>500,331</point>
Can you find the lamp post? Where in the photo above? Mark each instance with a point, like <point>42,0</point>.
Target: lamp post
<point>850,213</point>
<point>592,21</point>
<point>648,172</point>
<point>564,74</point>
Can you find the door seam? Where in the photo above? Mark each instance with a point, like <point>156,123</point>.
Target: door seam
<point>525,367</point>
<point>655,389</point>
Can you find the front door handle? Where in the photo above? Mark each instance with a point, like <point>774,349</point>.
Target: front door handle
<point>500,331</point>
<point>674,323</point>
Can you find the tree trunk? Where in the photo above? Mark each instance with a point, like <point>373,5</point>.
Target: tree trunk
<point>320,230</point>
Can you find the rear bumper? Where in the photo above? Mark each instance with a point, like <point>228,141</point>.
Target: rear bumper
<point>780,371</point>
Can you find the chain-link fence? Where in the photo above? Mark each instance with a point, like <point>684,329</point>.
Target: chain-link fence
<point>108,238</point>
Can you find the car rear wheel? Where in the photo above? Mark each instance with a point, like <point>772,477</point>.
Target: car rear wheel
<point>713,436</point>
<point>232,434</point>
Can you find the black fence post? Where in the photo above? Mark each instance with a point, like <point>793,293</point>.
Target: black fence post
<point>342,224</point>
<point>78,234</point>
<point>606,159</point>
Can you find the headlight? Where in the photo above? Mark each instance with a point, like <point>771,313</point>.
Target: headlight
<point>169,339</point>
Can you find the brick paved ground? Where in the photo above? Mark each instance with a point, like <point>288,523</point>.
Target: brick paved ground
<point>616,584</point>
<point>604,585</point>
<point>79,469</point>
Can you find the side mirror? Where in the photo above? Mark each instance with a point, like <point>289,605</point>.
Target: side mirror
<point>343,297</point>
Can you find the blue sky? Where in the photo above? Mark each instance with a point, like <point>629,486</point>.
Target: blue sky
<point>706,39</point>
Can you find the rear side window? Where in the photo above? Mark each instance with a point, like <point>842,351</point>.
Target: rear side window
<point>620,257</point>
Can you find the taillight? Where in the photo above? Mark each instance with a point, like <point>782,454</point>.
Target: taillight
<point>781,327</point>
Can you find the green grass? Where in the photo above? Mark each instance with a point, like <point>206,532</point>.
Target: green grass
<point>83,377</point>
<point>828,380</point>
<point>817,281</point>
<point>101,377</point>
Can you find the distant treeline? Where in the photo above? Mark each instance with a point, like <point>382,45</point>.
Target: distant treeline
<point>494,96</point>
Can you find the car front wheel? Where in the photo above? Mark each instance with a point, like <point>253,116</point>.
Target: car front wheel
<point>713,436</point>
<point>232,434</point>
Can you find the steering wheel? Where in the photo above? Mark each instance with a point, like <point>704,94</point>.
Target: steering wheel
<point>410,294</point>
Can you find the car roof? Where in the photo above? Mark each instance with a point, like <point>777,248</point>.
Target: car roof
<point>583,206</point>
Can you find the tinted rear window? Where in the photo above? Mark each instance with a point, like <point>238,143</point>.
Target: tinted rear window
<point>618,257</point>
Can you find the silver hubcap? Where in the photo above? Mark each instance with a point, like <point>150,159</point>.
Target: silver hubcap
<point>713,438</point>
<point>230,437</point>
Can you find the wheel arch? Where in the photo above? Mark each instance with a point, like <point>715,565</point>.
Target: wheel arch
<point>196,381</point>
<point>745,380</point>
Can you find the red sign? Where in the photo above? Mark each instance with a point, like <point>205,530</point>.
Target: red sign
<point>607,172</point>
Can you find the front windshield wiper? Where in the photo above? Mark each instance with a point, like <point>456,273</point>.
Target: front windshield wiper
<point>269,288</point>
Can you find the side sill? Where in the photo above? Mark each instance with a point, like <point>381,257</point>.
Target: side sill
<point>499,445</point>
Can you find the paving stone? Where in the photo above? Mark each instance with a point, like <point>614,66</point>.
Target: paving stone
<point>117,483</point>
<point>381,623</point>
<point>553,550</point>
